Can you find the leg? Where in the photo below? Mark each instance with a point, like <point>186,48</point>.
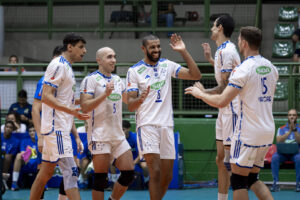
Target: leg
<point>153,163</point>
<point>166,175</point>
<point>296,159</point>
<point>16,171</point>
<point>143,165</point>
<point>223,175</point>
<point>70,176</point>
<point>101,164</point>
<point>8,158</point>
<point>239,182</point>
<point>40,181</point>
<point>83,179</point>
<point>275,163</point>
<point>62,193</point>
<point>125,164</point>
<point>258,187</point>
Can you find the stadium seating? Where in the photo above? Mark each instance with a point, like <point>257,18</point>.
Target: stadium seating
<point>283,31</point>
<point>283,69</point>
<point>288,14</point>
<point>282,49</point>
<point>281,92</point>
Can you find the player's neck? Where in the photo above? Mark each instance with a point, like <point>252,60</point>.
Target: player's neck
<point>146,60</point>
<point>250,52</point>
<point>221,39</point>
<point>104,72</point>
<point>67,57</point>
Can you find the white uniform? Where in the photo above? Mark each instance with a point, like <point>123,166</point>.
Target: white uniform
<point>256,78</point>
<point>56,125</point>
<point>105,133</point>
<point>226,57</point>
<point>154,118</point>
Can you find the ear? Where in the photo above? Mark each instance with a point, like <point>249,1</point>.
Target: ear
<point>69,47</point>
<point>98,61</point>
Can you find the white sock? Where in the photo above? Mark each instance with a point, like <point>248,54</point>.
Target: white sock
<point>62,197</point>
<point>80,178</point>
<point>15,176</point>
<point>114,177</point>
<point>222,196</point>
<point>111,198</point>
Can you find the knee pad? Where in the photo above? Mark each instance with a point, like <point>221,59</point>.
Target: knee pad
<point>100,181</point>
<point>252,178</point>
<point>70,172</point>
<point>126,177</point>
<point>238,182</point>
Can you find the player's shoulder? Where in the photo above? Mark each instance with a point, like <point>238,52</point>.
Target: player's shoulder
<point>115,77</point>
<point>230,48</point>
<point>138,65</point>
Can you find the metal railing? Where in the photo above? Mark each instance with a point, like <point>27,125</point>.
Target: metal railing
<point>287,93</point>
<point>103,27</point>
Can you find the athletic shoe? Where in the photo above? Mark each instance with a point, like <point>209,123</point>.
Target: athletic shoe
<point>14,186</point>
<point>275,187</point>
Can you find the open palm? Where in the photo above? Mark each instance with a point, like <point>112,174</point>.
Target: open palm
<point>176,43</point>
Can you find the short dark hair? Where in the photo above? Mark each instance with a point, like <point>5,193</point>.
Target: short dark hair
<point>126,124</point>
<point>252,35</point>
<point>22,94</point>
<point>73,39</point>
<point>57,51</point>
<point>13,56</point>
<point>147,38</point>
<point>227,23</point>
<point>17,116</point>
<point>10,122</point>
<point>30,125</point>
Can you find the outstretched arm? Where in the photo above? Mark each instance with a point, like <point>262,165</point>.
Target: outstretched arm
<point>192,72</point>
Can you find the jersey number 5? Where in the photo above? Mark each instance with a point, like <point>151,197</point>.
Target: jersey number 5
<point>264,86</point>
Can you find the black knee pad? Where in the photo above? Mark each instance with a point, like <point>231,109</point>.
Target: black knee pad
<point>238,182</point>
<point>100,181</point>
<point>252,178</point>
<point>62,188</point>
<point>126,177</point>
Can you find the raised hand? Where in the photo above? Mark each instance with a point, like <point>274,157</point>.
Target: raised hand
<point>176,43</point>
<point>109,88</point>
<point>144,94</point>
<point>207,51</point>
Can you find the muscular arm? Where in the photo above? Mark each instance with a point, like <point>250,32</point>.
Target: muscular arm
<point>220,87</point>
<point>36,117</point>
<point>134,101</point>
<point>88,103</point>
<point>282,138</point>
<point>192,72</point>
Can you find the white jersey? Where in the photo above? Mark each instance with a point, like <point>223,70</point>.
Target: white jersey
<point>157,107</point>
<point>105,123</point>
<point>256,77</point>
<point>59,74</point>
<point>226,57</point>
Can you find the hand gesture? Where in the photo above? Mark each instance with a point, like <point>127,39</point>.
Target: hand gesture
<point>40,143</point>
<point>24,118</point>
<point>195,91</point>
<point>176,43</point>
<point>144,94</point>
<point>109,88</point>
<point>207,51</point>
<point>81,116</point>
<point>199,85</point>
<point>77,101</point>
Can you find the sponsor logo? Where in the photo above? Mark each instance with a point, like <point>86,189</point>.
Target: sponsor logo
<point>114,97</point>
<point>147,76</point>
<point>263,70</point>
<point>163,65</point>
<point>98,78</point>
<point>141,70</point>
<point>74,88</point>
<point>158,85</point>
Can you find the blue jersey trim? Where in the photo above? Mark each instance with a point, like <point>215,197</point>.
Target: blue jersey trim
<point>140,138</point>
<point>90,93</point>
<point>226,70</point>
<point>137,64</point>
<point>177,71</point>
<point>234,85</point>
<point>133,89</point>
<point>52,85</point>
<point>107,77</point>
<point>39,89</point>
<point>223,45</point>
<point>243,166</point>
<point>257,146</point>
<point>50,161</point>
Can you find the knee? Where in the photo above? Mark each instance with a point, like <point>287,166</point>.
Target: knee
<point>155,174</point>
<point>18,157</point>
<point>297,158</point>
<point>275,157</point>
<point>220,160</point>
<point>126,177</point>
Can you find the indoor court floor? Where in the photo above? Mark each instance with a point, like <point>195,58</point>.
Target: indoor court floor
<point>185,194</point>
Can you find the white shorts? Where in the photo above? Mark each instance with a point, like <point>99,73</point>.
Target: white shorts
<point>156,139</point>
<point>115,148</point>
<point>57,145</point>
<point>225,126</point>
<point>247,156</point>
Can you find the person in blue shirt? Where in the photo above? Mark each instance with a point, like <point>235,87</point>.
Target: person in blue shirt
<point>139,165</point>
<point>22,107</point>
<point>28,159</point>
<point>10,147</point>
<point>288,133</point>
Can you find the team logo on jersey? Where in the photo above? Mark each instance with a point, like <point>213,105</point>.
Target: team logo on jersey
<point>141,70</point>
<point>114,97</point>
<point>158,85</point>
<point>263,70</point>
<point>98,78</point>
<point>147,76</point>
<point>163,65</point>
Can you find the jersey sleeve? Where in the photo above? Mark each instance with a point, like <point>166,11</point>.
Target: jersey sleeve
<point>39,89</point>
<point>88,86</point>
<point>23,145</point>
<point>123,88</point>
<point>131,81</point>
<point>280,132</point>
<point>239,77</point>
<point>175,68</point>
<point>227,61</point>
<point>54,74</point>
